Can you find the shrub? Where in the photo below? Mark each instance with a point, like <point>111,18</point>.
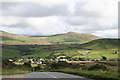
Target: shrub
<point>104,58</point>
<point>7,64</point>
<point>60,64</point>
<point>98,67</point>
<point>27,65</point>
<point>76,66</point>
<point>85,68</point>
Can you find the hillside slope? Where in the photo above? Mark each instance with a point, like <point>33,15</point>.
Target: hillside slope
<point>101,47</point>
<point>101,44</point>
<point>12,39</point>
<point>97,48</point>
<point>70,37</point>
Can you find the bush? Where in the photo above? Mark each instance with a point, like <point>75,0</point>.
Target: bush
<point>60,64</point>
<point>85,68</point>
<point>27,64</point>
<point>7,64</point>
<point>98,67</point>
<point>104,58</point>
<point>76,66</point>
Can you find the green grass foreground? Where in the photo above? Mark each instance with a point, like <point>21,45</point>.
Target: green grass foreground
<point>91,74</point>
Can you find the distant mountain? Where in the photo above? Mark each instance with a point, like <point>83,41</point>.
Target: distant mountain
<point>70,37</point>
<point>76,37</point>
<point>8,36</point>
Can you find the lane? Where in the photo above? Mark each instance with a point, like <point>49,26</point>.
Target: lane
<point>37,75</point>
<point>46,76</point>
<point>55,75</point>
<point>63,75</point>
<point>50,75</point>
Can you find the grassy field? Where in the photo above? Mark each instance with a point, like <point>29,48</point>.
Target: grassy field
<point>97,48</point>
<point>13,71</point>
<point>73,45</point>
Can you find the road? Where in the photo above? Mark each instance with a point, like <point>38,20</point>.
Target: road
<point>45,76</point>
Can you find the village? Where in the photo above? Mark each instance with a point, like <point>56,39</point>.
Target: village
<point>39,60</point>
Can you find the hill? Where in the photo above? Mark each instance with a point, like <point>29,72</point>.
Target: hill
<point>96,49</point>
<point>68,38</point>
<point>101,47</point>
<point>13,39</point>
<point>72,37</point>
<point>70,44</point>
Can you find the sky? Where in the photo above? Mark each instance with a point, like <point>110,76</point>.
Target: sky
<point>50,17</point>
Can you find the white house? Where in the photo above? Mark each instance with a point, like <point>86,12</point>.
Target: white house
<point>20,60</point>
<point>10,60</point>
<point>62,59</point>
<point>40,62</point>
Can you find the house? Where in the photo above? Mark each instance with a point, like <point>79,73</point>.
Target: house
<point>90,59</point>
<point>51,59</point>
<point>62,59</point>
<point>56,60</point>
<point>85,53</point>
<point>20,60</point>
<point>10,60</point>
<point>41,59</point>
<point>40,62</point>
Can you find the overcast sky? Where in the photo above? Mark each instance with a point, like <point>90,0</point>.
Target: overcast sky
<point>49,17</point>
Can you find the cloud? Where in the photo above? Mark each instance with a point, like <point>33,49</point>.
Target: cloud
<point>113,33</point>
<point>56,17</point>
<point>43,25</point>
<point>33,10</point>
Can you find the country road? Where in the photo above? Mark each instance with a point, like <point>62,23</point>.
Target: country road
<point>44,76</point>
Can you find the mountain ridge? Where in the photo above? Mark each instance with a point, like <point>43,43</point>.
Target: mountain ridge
<point>70,37</point>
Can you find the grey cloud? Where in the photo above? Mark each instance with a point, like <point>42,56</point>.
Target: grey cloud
<point>33,10</point>
<point>81,20</point>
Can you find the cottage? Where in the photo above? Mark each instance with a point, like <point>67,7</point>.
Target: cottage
<point>62,59</point>
<point>20,60</point>
<point>10,60</point>
<point>39,62</point>
<point>56,60</point>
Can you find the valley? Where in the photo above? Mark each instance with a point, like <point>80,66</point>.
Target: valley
<point>81,54</point>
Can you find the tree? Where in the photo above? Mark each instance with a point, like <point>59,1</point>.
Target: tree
<point>60,64</point>
<point>104,58</point>
<point>115,52</point>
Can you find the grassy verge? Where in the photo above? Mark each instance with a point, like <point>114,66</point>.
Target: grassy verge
<point>91,74</point>
<point>14,72</point>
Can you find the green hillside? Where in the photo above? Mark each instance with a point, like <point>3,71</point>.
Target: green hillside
<point>101,47</point>
<point>97,48</point>
<point>8,38</point>
<point>70,37</point>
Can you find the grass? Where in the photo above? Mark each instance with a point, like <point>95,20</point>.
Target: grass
<point>10,53</point>
<point>97,48</point>
<point>91,74</point>
<point>34,65</point>
<point>98,53</point>
<point>13,72</point>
